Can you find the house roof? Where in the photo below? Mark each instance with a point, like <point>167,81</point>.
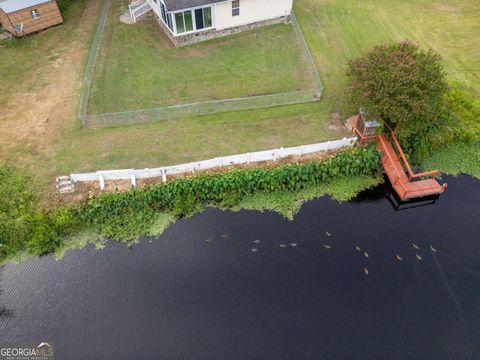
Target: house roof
<point>173,5</point>
<point>9,6</point>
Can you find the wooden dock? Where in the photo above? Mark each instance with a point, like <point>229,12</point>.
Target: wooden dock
<point>405,183</point>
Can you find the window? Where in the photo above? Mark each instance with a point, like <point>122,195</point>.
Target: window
<point>207,14</point>
<point>191,20</point>
<point>35,14</point>
<point>184,21</point>
<point>180,23</point>
<point>235,7</point>
<point>199,19</point>
<point>188,20</point>
<point>164,12</point>
<point>170,21</point>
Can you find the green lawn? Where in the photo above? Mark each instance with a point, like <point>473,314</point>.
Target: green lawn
<point>339,30</point>
<point>190,139</point>
<point>336,31</point>
<point>139,69</point>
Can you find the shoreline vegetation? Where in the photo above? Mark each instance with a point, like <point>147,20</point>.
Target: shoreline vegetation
<point>51,142</point>
<point>28,230</point>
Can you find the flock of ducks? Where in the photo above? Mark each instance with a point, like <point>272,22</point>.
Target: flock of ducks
<point>398,257</point>
<point>328,247</point>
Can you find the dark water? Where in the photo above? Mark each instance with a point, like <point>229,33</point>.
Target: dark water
<point>180,297</point>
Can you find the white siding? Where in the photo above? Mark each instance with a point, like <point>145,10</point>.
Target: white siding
<point>251,11</point>
<point>155,6</point>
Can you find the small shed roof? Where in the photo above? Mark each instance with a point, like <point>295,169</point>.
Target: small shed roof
<point>9,6</point>
<point>173,5</point>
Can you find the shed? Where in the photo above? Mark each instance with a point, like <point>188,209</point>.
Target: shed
<point>23,17</point>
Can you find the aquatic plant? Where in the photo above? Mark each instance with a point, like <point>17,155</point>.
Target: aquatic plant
<point>183,197</point>
<point>26,228</point>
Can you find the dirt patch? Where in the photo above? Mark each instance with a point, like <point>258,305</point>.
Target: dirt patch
<point>34,117</point>
<point>350,122</point>
<point>336,123</point>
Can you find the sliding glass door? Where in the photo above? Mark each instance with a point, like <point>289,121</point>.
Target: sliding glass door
<point>193,20</point>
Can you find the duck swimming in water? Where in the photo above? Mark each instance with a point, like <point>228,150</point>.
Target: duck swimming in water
<point>365,270</point>
<point>327,246</point>
<point>293,244</point>
<point>415,246</point>
<point>328,234</point>
<point>283,245</point>
<point>399,258</point>
<point>256,241</point>
<point>358,248</point>
<point>254,250</point>
<point>433,249</point>
<point>418,257</point>
<point>366,254</point>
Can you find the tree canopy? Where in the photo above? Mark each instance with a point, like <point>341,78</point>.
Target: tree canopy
<point>400,82</point>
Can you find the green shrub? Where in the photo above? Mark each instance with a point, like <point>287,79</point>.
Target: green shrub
<point>128,225</point>
<point>458,123</point>
<point>400,82</point>
<point>186,206</point>
<point>44,237</point>
<point>467,110</point>
<point>18,207</point>
<point>25,227</point>
<point>185,196</point>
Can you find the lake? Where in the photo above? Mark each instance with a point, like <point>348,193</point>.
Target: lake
<point>199,291</point>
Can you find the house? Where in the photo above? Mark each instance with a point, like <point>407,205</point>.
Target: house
<point>23,17</point>
<point>190,21</point>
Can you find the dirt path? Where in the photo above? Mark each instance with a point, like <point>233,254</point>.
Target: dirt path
<point>32,120</point>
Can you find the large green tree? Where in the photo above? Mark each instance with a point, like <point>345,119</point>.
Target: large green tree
<point>400,82</point>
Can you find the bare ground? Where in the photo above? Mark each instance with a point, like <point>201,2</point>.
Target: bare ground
<point>34,118</point>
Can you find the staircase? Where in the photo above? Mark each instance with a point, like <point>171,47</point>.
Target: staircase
<point>65,185</point>
<point>138,9</point>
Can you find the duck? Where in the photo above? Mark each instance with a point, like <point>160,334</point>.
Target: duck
<point>256,241</point>
<point>283,245</point>
<point>365,270</point>
<point>418,257</point>
<point>293,244</point>
<point>358,248</point>
<point>366,254</point>
<point>224,235</point>
<point>415,246</point>
<point>254,250</point>
<point>399,258</point>
<point>327,246</point>
<point>328,234</point>
<point>433,249</point>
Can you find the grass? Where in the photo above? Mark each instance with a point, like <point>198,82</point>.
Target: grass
<point>139,69</point>
<point>19,57</point>
<point>336,31</point>
<point>189,139</point>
